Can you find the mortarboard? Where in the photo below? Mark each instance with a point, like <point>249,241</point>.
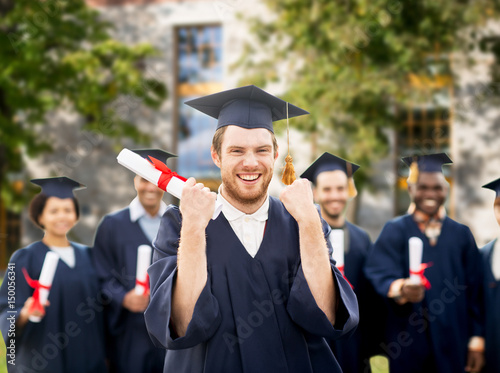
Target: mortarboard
<point>425,163</point>
<point>330,162</point>
<point>494,185</point>
<point>247,107</point>
<point>159,154</point>
<point>60,187</point>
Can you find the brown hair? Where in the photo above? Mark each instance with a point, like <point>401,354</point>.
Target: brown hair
<point>219,136</point>
<point>37,205</point>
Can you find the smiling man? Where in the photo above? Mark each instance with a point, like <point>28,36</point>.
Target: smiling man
<point>435,326</point>
<point>254,290</point>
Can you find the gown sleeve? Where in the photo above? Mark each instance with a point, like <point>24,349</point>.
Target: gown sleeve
<point>162,274</point>
<point>304,311</point>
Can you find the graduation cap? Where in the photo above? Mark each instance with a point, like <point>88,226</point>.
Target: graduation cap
<point>60,187</point>
<point>494,186</point>
<point>247,107</point>
<point>330,162</point>
<point>159,154</point>
<point>425,163</point>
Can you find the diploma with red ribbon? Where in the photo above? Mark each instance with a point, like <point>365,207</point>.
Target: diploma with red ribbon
<point>158,173</point>
<point>141,276</point>
<point>337,241</point>
<point>417,268</point>
<point>43,284</point>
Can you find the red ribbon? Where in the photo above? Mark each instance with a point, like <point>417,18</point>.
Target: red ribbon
<point>420,273</point>
<point>166,173</point>
<point>145,284</point>
<point>341,269</point>
<point>35,284</point>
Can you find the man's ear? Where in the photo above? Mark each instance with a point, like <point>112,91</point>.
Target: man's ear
<point>215,156</point>
<point>277,153</point>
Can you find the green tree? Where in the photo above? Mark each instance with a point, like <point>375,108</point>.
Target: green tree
<point>59,54</point>
<point>350,63</point>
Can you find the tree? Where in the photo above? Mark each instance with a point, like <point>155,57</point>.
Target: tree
<point>352,63</point>
<point>59,54</point>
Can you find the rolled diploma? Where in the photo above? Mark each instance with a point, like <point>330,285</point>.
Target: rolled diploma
<point>415,245</point>
<point>337,241</point>
<point>135,163</point>
<point>143,262</point>
<point>46,277</point>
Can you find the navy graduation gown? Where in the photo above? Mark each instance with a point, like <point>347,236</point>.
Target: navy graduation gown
<point>254,314</point>
<point>70,337</point>
<point>492,312</point>
<point>353,352</point>
<point>115,255</point>
<point>431,335</point>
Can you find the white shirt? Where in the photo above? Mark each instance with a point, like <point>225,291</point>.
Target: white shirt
<point>149,224</point>
<point>248,228</point>
<point>66,254</point>
<point>495,260</point>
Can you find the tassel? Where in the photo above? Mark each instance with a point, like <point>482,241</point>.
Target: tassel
<point>289,172</point>
<point>352,188</point>
<point>413,176</point>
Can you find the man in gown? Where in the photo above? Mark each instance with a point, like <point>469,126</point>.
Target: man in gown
<point>434,325</point>
<point>333,186</point>
<point>491,268</point>
<point>117,239</point>
<point>255,289</point>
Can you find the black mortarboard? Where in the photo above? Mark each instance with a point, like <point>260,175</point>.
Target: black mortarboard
<point>329,162</point>
<point>159,154</point>
<point>60,187</point>
<point>247,107</point>
<point>429,162</point>
<point>494,185</point>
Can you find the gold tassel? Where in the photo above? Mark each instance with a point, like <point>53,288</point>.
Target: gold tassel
<point>289,171</point>
<point>351,190</point>
<point>413,176</point>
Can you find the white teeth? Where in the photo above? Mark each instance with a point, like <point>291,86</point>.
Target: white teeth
<point>429,202</point>
<point>249,177</point>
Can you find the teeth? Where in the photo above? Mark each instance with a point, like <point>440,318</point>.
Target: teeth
<point>430,202</point>
<point>249,177</point>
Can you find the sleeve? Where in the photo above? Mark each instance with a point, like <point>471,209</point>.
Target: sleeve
<point>474,275</point>
<point>383,265</point>
<point>162,274</point>
<point>110,283</point>
<point>13,293</point>
<point>304,311</point>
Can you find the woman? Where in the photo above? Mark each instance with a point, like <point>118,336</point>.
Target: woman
<point>69,337</point>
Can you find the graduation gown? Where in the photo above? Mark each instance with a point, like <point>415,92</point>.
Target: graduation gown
<point>70,337</point>
<point>353,352</point>
<point>492,312</point>
<point>115,255</point>
<point>254,314</point>
<point>432,335</point>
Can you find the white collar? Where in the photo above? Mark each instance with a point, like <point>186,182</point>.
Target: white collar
<point>232,213</point>
<point>137,210</point>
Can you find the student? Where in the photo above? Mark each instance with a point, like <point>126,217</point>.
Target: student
<point>117,240</point>
<point>254,290</point>
<point>70,336</point>
<point>333,187</point>
<point>491,268</point>
<point>434,325</point>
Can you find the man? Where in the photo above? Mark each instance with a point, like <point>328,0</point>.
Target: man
<point>255,289</point>
<point>434,325</point>
<point>115,251</point>
<point>333,186</point>
<point>491,268</point>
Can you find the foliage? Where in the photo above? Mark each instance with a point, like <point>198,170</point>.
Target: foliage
<point>59,54</point>
<point>350,62</point>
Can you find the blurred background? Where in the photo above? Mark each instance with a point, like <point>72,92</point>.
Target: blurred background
<point>80,80</point>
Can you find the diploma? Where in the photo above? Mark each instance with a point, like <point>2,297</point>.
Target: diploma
<point>337,241</point>
<point>158,174</point>
<point>141,274</point>
<point>43,284</point>
<point>415,245</point>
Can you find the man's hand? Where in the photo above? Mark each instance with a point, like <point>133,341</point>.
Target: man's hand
<point>197,203</point>
<point>475,361</point>
<point>412,292</point>
<point>298,200</point>
<point>26,312</point>
<point>135,302</point>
